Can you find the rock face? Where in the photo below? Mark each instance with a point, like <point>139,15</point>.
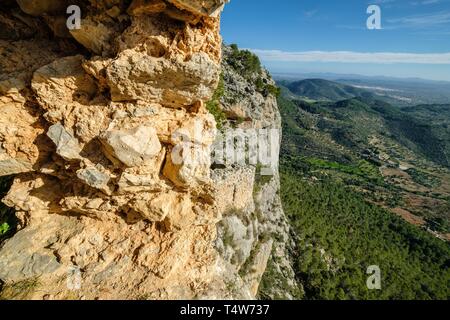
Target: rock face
<point>106,130</point>
<point>135,147</point>
<point>254,231</point>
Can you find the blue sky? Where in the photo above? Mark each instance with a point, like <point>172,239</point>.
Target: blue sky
<point>329,36</point>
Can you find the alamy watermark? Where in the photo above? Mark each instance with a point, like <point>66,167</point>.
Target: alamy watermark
<point>73,22</point>
<point>374,20</point>
<point>374,280</point>
<point>257,147</point>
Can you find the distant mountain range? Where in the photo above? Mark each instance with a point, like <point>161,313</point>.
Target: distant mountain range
<point>324,90</point>
<point>402,92</point>
<point>342,76</point>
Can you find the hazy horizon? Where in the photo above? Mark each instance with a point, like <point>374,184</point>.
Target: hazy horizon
<point>335,75</point>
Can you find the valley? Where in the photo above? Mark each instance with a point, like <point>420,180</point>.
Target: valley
<point>397,157</point>
<point>365,183</point>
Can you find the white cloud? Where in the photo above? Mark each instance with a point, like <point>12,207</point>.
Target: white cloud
<point>424,20</point>
<point>353,57</point>
<point>426,2</point>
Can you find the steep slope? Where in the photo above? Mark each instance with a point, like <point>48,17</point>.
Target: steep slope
<point>254,236</point>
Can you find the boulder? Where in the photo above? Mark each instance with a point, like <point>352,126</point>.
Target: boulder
<point>67,145</point>
<point>204,8</point>
<point>134,147</point>
<point>9,165</point>
<point>156,208</point>
<point>188,165</point>
<point>95,178</point>
<point>94,35</point>
<point>177,82</point>
<point>140,7</point>
<point>61,84</point>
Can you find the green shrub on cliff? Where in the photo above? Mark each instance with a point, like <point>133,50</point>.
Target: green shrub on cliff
<point>213,105</point>
<point>244,62</point>
<point>249,66</point>
<point>7,216</point>
<point>273,90</point>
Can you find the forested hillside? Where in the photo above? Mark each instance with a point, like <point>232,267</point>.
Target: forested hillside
<point>397,157</point>
<point>323,90</point>
<point>340,235</point>
<point>366,183</point>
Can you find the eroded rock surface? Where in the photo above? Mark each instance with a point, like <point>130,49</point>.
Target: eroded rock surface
<point>106,131</point>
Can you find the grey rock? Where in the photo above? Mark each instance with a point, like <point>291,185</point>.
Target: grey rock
<point>94,178</point>
<point>39,264</point>
<point>111,270</point>
<point>9,165</point>
<point>67,145</point>
<point>18,263</point>
<point>237,240</point>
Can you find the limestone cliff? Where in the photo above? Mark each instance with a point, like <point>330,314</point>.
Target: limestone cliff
<point>106,130</point>
<point>254,234</point>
